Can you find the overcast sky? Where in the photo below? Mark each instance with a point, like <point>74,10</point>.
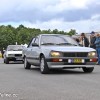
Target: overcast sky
<point>81,15</point>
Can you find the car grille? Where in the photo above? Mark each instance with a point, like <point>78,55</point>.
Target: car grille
<point>18,55</point>
<point>76,54</point>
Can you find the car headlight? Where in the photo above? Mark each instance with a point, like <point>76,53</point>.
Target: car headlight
<point>55,54</point>
<point>92,54</point>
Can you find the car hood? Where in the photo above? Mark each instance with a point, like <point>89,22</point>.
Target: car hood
<point>14,52</point>
<point>69,48</point>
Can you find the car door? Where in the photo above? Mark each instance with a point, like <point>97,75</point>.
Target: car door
<point>35,52</point>
<point>28,51</point>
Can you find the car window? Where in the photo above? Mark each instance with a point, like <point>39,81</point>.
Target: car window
<point>57,40</point>
<point>32,41</point>
<point>36,40</point>
<point>15,48</point>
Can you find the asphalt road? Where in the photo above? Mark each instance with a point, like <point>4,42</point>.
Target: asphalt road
<point>16,83</point>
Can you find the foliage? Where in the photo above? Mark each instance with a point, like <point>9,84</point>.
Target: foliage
<point>22,34</point>
<point>72,32</point>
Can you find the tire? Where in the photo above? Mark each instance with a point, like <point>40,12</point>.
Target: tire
<point>88,70</point>
<point>43,66</point>
<point>6,61</point>
<point>26,64</point>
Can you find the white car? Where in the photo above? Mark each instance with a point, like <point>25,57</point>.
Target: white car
<point>58,51</point>
<point>13,53</point>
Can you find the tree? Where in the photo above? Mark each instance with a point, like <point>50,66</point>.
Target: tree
<point>72,32</point>
<point>55,31</point>
<point>6,36</point>
<point>22,35</point>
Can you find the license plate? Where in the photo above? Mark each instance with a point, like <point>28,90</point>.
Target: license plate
<point>18,58</point>
<point>77,60</point>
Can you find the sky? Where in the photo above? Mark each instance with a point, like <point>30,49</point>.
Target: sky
<point>64,15</point>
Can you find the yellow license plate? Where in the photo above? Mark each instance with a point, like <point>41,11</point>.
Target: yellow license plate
<point>77,60</point>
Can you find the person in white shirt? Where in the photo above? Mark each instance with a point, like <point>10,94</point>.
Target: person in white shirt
<point>84,40</point>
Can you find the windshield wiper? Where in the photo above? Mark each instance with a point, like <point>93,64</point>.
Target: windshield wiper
<point>48,44</point>
<point>66,44</point>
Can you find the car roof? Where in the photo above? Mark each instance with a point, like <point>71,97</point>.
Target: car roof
<point>53,34</point>
<point>14,45</point>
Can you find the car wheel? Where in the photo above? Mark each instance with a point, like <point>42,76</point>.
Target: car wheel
<point>43,66</point>
<point>26,64</point>
<point>6,61</point>
<point>88,70</point>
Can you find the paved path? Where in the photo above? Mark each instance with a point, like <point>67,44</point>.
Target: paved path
<point>16,83</point>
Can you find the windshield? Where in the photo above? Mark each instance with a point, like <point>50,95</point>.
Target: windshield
<point>57,40</point>
<point>15,48</point>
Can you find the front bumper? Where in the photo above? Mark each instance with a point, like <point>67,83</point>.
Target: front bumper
<point>63,63</point>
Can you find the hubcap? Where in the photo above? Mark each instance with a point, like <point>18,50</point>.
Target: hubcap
<point>42,64</point>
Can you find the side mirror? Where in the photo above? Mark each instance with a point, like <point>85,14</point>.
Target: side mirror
<point>35,45</point>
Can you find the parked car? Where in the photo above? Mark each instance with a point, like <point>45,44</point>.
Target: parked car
<point>13,53</point>
<point>58,51</point>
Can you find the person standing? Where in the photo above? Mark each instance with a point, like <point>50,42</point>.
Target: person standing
<point>84,40</point>
<point>92,40</point>
<point>97,44</point>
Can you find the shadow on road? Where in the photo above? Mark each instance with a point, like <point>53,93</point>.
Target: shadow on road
<point>60,71</point>
<point>67,71</point>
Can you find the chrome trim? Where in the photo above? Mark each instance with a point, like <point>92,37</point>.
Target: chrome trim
<point>65,66</point>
